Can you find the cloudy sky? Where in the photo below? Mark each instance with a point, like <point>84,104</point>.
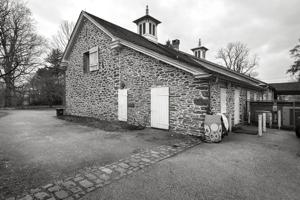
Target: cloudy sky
<point>270,28</point>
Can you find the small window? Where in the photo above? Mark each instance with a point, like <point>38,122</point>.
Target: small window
<point>90,60</point>
<point>144,28</point>
<point>150,28</point>
<point>153,29</point>
<point>140,29</point>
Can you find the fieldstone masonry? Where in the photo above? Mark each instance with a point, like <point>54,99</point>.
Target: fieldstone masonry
<point>215,102</point>
<point>89,179</point>
<point>95,94</point>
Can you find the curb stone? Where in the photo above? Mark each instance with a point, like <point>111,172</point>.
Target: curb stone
<point>89,179</point>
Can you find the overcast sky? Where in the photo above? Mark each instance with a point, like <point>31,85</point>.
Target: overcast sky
<point>270,28</point>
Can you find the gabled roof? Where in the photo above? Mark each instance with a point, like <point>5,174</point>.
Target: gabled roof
<point>179,59</point>
<point>290,88</point>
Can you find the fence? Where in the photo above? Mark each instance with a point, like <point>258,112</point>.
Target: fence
<point>288,110</point>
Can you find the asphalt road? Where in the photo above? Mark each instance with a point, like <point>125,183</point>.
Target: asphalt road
<point>36,148</point>
<point>241,167</point>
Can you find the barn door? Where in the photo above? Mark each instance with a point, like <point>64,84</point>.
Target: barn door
<point>223,100</point>
<point>160,107</point>
<point>122,104</point>
<point>236,106</point>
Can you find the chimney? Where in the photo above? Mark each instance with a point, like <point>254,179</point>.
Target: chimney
<point>175,44</point>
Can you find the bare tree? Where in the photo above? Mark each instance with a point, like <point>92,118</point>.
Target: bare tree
<point>60,40</point>
<point>236,56</point>
<point>295,67</point>
<point>20,46</point>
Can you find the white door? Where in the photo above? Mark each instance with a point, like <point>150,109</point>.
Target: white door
<point>223,100</point>
<point>236,106</point>
<point>160,107</point>
<point>122,104</point>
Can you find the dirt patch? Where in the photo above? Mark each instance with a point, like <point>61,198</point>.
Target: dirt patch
<point>109,126</point>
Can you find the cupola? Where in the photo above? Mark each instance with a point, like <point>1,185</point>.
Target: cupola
<point>147,26</point>
<point>199,51</point>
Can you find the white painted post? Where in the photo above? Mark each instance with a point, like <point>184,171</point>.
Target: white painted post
<point>230,123</point>
<point>264,121</point>
<point>259,125</point>
<point>249,115</point>
<point>279,119</point>
<point>270,120</point>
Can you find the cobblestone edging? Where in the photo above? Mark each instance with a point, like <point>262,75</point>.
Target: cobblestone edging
<point>90,179</point>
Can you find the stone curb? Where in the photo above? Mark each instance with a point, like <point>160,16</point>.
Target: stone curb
<point>89,179</point>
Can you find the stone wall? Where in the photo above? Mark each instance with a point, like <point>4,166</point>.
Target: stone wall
<point>95,94</point>
<point>188,96</point>
<point>215,104</point>
<point>92,94</point>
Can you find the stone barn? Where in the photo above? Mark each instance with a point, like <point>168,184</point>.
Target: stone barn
<point>116,74</point>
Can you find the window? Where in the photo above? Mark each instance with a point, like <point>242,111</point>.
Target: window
<point>90,60</point>
<point>255,96</point>
<point>144,28</point>
<point>153,29</point>
<point>140,29</point>
<point>150,28</point>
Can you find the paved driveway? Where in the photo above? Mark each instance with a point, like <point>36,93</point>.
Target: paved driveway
<point>37,148</point>
<point>241,167</point>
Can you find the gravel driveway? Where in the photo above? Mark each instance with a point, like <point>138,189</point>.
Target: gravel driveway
<point>37,148</point>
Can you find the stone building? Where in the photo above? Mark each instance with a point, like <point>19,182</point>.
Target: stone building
<point>115,74</point>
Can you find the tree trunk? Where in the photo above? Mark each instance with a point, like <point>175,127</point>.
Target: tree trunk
<point>9,93</point>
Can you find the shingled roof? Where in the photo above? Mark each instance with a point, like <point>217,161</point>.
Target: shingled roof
<point>171,53</point>
<point>290,88</point>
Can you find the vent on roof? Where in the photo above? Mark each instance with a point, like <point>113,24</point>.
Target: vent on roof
<point>200,51</point>
<point>147,26</point>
